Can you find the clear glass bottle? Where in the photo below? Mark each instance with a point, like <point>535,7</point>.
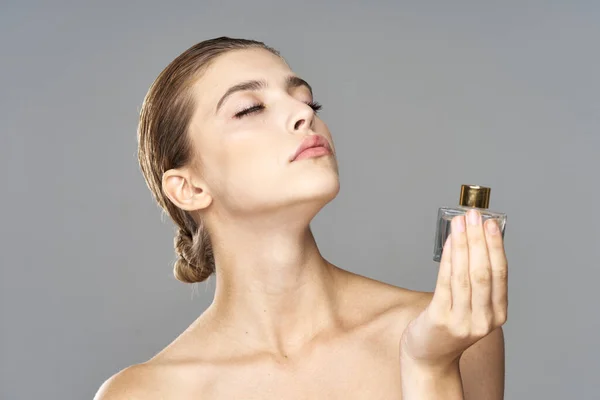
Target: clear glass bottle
<point>471,196</point>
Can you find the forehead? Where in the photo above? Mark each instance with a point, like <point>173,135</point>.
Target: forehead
<point>234,67</point>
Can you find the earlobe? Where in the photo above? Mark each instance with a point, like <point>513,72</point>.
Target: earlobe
<point>178,187</point>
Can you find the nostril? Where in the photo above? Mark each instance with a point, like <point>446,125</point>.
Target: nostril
<point>298,124</point>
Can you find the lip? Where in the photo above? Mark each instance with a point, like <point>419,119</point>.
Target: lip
<point>310,142</point>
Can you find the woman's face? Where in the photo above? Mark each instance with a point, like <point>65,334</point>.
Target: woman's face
<point>243,139</point>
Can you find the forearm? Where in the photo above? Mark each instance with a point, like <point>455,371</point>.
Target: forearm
<point>424,383</point>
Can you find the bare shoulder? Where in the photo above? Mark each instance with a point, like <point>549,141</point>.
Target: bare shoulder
<point>180,370</point>
<point>132,383</point>
<point>392,306</point>
<point>386,292</point>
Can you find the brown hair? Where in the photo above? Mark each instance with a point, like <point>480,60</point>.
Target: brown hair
<point>164,143</point>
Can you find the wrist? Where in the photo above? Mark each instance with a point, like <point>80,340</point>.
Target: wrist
<point>430,381</point>
<point>439,366</point>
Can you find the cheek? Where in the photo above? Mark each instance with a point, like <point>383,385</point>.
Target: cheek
<point>259,147</point>
<point>256,162</point>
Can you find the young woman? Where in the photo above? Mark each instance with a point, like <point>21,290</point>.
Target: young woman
<point>232,148</point>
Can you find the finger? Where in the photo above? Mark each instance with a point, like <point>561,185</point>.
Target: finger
<point>499,271</point>
<point>480,274</point>
<point>442,297</point>
<point>461,283</point>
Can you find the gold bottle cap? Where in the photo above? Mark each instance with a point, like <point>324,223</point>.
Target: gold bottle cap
<point>475,196</point>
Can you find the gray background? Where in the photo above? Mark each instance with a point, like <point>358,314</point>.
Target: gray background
<point>420,97</point>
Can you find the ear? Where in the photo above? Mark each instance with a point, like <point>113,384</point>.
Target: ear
<point>185,193</point>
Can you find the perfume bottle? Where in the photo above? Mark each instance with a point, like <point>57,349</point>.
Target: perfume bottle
<point>471,196</point>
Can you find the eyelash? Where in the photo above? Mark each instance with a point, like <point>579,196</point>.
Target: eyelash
<point>313,104</point>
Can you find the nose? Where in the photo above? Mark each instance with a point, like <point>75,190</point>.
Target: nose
<point>303,119</point>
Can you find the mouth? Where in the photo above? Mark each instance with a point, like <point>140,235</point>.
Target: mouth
<point>312,146</point>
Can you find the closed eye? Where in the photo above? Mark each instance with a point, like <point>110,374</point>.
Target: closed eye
<point>259,107</point>
<point>315,106</point>
<point>249,110</point>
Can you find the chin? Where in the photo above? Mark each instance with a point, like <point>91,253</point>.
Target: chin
<point>323,186</point>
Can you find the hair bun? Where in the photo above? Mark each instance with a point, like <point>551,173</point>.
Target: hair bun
<point>195,256</point>
<point>184,242</point>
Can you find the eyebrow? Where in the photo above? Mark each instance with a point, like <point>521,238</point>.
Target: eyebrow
<point>291,82</point>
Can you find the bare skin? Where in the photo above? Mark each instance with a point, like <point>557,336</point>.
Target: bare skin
<point>357,357</point>
<point>354,357</point>
<point>285,323</point>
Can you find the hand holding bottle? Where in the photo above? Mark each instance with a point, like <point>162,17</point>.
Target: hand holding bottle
<point>470,298</point>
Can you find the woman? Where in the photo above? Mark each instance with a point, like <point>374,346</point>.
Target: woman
<point>231,147</point>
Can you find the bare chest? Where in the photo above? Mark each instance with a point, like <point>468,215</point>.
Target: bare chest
<point>338,375</point>
<point>330,385</point>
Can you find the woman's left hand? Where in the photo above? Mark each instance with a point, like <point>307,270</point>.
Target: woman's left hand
<point>470,299</point>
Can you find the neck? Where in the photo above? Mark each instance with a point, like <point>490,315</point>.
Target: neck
<point>275,288</point>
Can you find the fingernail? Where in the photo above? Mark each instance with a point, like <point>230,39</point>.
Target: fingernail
<point>459,223</point>
<point>492,226</point>
<point>474,217</point>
